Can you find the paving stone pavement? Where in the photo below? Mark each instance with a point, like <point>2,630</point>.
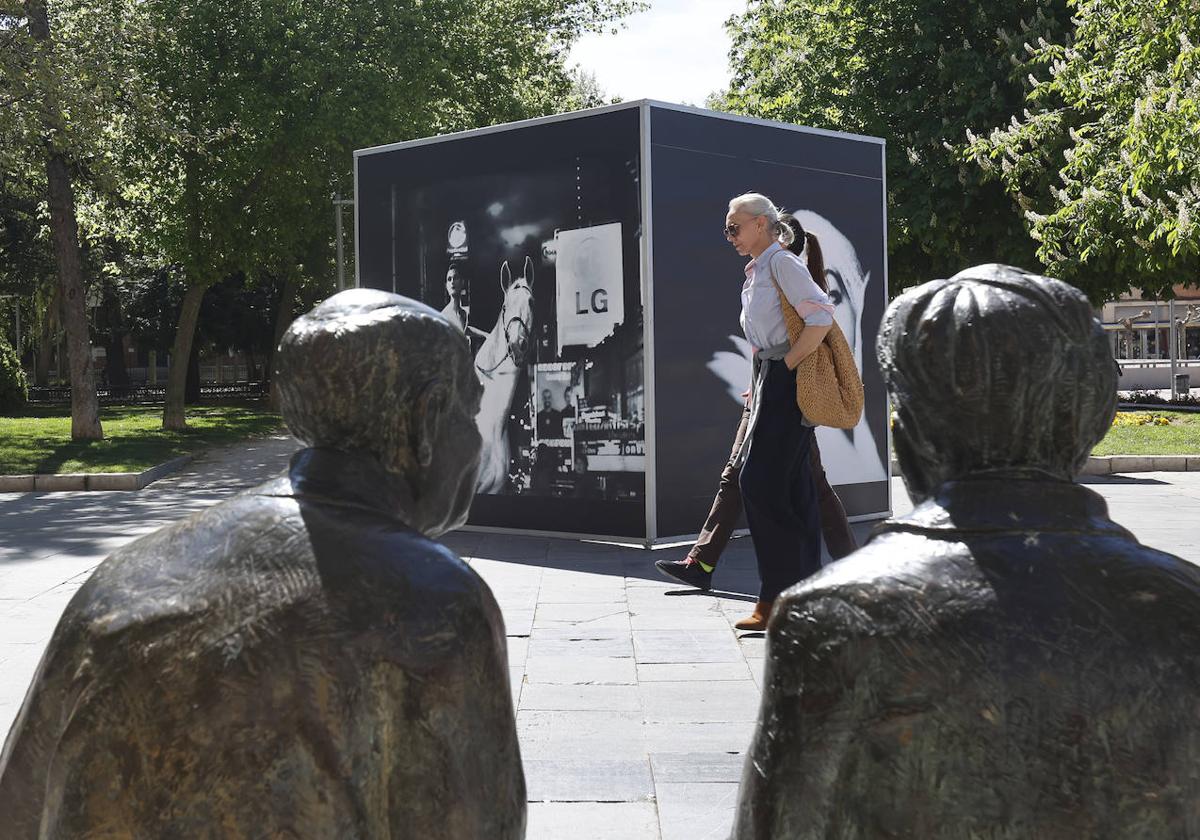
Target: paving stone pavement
<point>635,697</point>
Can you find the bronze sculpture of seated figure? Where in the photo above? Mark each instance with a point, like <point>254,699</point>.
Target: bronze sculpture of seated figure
<point>1006,661</point>
<point>302,660</point>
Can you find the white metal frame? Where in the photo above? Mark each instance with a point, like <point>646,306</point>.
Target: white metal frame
<point>648,378</point>
<point>887,400</point>
<point>357,256</point>
<point>643,104</point>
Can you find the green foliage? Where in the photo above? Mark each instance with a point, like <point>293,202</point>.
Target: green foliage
<point>26,260</point>
<point>585,92</point>
<point>14,386</point>
<point>40,440</point>
<point>243,115</point>
<point>205,138</point>
<point>1106,161</point>
<point>920,74</point>
<point>209,136</point>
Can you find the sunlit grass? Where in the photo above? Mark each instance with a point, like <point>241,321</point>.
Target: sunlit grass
<point>1144,433</point>
<point>134,440</point>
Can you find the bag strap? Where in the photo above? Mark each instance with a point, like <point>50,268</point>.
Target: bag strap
<point>791,318</point>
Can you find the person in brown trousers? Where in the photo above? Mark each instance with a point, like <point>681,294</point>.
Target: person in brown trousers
<point>697,568</point>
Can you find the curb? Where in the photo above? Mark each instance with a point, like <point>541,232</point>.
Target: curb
<point>1121,464</point>
<point>90,481</point>
<point>1185,407</point>
<point>1111,464</point>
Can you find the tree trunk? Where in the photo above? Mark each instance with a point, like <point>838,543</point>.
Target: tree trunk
<point>85,407</point>
<point>174,416</point>
<point>283,320</point>
<point>191,389</point>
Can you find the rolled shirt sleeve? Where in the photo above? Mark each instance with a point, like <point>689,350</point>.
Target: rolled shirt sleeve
<point>762,317</point>
<point>802,292</point>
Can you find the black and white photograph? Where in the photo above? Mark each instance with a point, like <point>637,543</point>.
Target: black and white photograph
<point>537,258</point>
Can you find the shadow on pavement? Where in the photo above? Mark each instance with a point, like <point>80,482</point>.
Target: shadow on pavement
<point>1118,479</point>
<point>93,523</point>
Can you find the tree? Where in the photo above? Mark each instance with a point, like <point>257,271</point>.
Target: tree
<point>918,73</point>
<point>42,89</point>
<point>585,92</point>
<point>26,258</point>
<point>1106,160</point>
<point>243,116</point>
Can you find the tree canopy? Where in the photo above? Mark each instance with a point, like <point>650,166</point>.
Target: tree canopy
<point>1106,158</point>
<point>918,73</point>
<point>206,136</point>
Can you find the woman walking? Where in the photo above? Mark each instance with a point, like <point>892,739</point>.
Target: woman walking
<point>696,569</point>
<point>776,478</point>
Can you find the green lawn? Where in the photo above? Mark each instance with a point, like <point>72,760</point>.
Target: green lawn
<point>40,440</point>
<point>1180,437</point>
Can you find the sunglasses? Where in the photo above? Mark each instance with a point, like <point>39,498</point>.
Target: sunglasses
<point>731,230</point>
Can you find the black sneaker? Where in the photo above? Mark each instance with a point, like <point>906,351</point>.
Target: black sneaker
<point>686,571</point>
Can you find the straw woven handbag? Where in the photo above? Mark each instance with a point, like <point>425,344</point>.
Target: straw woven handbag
<point>829,389</point>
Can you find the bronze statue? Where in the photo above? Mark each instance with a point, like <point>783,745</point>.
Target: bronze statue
<point>302,660</point>
<point>1006,662</point>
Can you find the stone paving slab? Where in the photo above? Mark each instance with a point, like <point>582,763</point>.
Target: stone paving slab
<point>578,698</point>
<point>690,702</point>
<point>581,670</point>
<point>696,811</point>
<point>689,736</point>
<point>589,734</point>
<point>635,698</point>
<point>592,821</point>
<point>662,646</point>
<point>588,779</point>
<point>697,767</point>
<point>692,671</point>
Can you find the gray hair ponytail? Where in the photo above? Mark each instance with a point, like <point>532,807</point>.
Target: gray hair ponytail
<point>757,204</point>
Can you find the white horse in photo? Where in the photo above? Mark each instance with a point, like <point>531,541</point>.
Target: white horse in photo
<point>498,365</point>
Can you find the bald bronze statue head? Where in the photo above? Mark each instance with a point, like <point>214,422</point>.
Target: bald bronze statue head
<point>374,373</point>
<point>998,371</point>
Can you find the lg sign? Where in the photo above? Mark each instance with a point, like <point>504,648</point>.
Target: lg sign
<point>590,284</point>
<point>599,302</point>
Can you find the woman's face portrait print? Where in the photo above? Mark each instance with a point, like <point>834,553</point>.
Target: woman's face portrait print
<point>844,274</point>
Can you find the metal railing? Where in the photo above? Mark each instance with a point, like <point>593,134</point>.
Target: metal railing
<point>150,394</point>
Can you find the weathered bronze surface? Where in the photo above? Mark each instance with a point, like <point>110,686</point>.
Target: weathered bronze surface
<point>302,660</point>
<point>1006,662</point>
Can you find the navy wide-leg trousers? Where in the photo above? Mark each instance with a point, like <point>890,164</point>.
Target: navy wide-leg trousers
<point>778,489</point>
